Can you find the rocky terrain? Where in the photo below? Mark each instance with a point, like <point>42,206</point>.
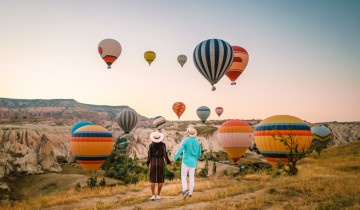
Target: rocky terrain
<point>35,134</point>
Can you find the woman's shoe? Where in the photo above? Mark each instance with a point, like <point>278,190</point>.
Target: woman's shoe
<point>158,197</point>
<point>152,198</point>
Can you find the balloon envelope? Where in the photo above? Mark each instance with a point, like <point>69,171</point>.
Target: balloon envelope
<point>203,113</point>
<point>219,110</point>
<point>79,125</point>
<point>149,56</point>
<point>213,58</point>
<point>321,133</point>
<point>235,136</point>
<point>284,125</point>
<point>179,108</point>
<point>109,50</point>
<point>241,59</point>
<point>127,120</point>
<point>159,122</point>
<point>91,145</point>
<point>182,59</point>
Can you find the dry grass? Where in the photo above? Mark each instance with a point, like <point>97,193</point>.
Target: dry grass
<point>327,182</point>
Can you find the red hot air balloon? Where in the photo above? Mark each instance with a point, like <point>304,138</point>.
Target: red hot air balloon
<point>179,108</point>
<point>219,110</point>
<point>241,59</point>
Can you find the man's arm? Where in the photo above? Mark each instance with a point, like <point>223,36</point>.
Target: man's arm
<point>180,151</point>
<point>199,153</point>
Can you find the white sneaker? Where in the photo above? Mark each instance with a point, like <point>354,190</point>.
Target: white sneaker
<point>152,198</point>
<point>158,197</point>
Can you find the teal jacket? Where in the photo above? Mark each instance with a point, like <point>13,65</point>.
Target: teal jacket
<point>192,151</point>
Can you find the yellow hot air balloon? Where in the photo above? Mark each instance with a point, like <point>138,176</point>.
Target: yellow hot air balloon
<point>284,125</point>
<point>149,56</point>
<point>235,136</point>
<point>91,145</point>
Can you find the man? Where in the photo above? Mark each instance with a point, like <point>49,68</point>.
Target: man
<point>191,150</point>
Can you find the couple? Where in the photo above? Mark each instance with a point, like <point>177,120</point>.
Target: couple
<point>157,152</point>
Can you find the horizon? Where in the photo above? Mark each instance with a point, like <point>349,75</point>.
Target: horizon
<point>303,56</point>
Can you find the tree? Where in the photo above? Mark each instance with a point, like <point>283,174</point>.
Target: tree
<point>318,149</point>
<point>295,152</point>
<point>214,168</point>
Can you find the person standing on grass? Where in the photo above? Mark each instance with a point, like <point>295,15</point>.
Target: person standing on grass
<point>191,150</point>
<point>156,155</point>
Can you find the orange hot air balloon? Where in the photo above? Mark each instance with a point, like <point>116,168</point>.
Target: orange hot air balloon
<point>91,145</point>
<point>241,59</point>
<point>179,108</point>
<point>235,136</point>
<point>285,125</point>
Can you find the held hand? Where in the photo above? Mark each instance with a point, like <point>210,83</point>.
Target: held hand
<point>171,163</point>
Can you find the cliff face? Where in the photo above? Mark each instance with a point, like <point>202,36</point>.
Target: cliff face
<point>33,149</point>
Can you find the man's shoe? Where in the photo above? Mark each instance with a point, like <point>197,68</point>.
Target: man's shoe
<point>152,198</point>
<point>185,193</point>
<point>158,197</point>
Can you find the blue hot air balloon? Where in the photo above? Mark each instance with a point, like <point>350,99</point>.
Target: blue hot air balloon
<point>203,112</point>
<point>213,58</point>
<point>79,125</point>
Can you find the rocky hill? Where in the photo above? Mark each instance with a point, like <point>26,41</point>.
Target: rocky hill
<point>65,111</point>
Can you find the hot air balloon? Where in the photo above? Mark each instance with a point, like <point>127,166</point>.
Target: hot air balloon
<point>321,133</point>
<point>241,59</point>
<point>109,50</point>
<point>219,110</point>
<point>182,59</point>
<point>127,120</point>
<point>284,125</point>
<point>203,112</point>
<point>213,58</point>
<point>149,56</point>
<point>235,136</point>
<point>79,125</point>
<point>159,122</point>
<point>321,136</point>
<point>91,145</point>
<point>179,108</point>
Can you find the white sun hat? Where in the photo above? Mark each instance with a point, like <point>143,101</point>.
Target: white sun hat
<point>156,137</point>
<point>191,131</point>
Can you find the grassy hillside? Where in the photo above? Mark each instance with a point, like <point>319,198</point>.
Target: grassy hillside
<point>327,182</point>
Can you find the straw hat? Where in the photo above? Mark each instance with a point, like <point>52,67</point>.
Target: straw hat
<point>156,137</point>
<point>191,131</point>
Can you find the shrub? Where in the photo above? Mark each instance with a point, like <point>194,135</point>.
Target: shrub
<point>102,182</point>
<point>78,187</point>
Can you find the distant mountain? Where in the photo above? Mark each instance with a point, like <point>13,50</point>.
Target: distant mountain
<point>67,111</point>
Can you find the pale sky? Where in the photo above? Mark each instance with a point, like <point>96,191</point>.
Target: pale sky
<point>304,55</point>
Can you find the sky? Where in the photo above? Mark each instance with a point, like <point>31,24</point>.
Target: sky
<point>304,56</point>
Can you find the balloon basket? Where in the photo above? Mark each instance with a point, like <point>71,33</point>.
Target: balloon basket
<point>233,83</point>
<point>108,67</point>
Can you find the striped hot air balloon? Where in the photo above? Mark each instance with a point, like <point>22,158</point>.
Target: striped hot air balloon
<point>203,112</point>
<point>159,122</point>
<point>241,59</point>
<point>235,136</point>
<point>79,125</point>
<point>149,56</point>
<point>127,120</point>
<point>321,133</point>
<point>182,59</point>
<point>213,58</point>
<point>109,50</point>
<point>284,125</point>
<point>91,145</point>
<point>219,110</point>
<point>179,108</point>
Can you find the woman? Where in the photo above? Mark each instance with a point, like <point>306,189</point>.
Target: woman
<point>156,155</point>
